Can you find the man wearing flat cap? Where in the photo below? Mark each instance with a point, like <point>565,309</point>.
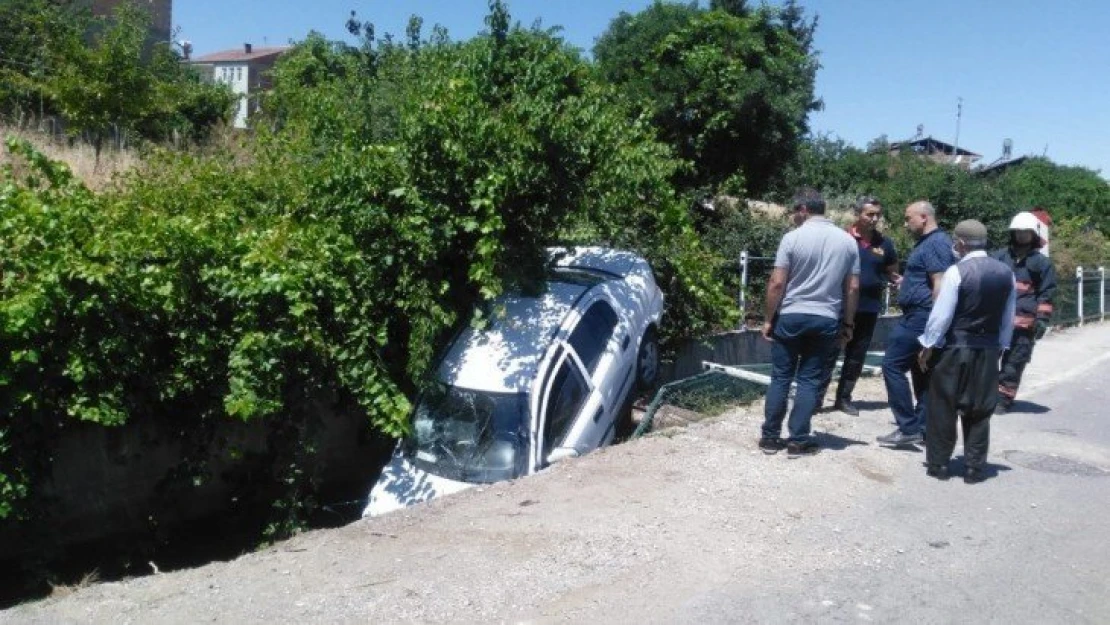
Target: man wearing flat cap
<point>970,325</point>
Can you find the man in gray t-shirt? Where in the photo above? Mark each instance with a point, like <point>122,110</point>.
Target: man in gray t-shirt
<point>811,301</point>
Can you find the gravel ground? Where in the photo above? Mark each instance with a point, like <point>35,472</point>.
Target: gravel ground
<point>688,524</point>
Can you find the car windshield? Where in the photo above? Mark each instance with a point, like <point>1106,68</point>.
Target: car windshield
<point>470,436</point>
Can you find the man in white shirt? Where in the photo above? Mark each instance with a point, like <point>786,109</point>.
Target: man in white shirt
<point>969,327</point>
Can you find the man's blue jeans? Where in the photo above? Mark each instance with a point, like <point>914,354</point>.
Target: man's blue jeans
<point>901,356</point>
<point>802,345</point>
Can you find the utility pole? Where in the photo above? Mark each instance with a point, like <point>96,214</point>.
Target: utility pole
<point>959,114</point>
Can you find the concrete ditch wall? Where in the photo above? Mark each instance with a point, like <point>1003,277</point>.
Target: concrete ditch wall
<point>743,347</point>
<point>108,482</point>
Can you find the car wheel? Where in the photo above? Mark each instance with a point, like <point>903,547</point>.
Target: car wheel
<point>647,360</point>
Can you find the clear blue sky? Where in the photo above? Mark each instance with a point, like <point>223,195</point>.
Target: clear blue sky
<point>1032,71</point>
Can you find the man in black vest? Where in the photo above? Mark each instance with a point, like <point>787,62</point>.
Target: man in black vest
<point>968,328</point>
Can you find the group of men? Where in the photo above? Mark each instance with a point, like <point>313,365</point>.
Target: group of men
<point>968,325</point>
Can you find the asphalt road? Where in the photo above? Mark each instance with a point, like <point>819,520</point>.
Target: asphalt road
<point>696,525</point>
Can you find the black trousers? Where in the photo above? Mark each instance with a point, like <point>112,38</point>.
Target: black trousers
<point>963,385</point>
<point>1013,364</point>
<point>854,354</point>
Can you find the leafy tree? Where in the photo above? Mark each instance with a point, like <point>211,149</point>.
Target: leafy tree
<point>102,75</point>
<point>624,51</point>
<point>36,37</point>
<point>739,8</point>
<point>106,86</point>
<point>1061,189</point>
<point>835,167</point>
<point>730,93</point>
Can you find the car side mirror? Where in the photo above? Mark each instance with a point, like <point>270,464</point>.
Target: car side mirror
<point>561,453</point>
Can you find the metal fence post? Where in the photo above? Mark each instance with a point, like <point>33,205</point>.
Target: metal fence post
<point>743,287</point>
<point>1079,291</point>
<point>1102,293</point>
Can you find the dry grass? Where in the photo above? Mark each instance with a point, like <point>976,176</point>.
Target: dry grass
<point>80,157</point>
<point>58,591</point>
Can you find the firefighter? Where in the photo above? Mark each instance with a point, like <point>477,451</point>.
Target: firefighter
<point>1036,286</point>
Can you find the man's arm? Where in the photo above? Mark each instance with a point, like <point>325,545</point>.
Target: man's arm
<point>891,267</point>
<point>1006,330</point>
<point>937,263</point>
<point>1046,289</point>
<point>851,301</point>
<point>937,279</point>
<point>940,317</point>
<point>943,309</point>
<point>776,288</point>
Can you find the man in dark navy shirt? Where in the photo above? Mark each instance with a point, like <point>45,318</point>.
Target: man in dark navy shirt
<point>878,265</point>
<point>931,256</point>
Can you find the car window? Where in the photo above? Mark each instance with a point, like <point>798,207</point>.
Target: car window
<point>592,334</point>
<point>568,391</point>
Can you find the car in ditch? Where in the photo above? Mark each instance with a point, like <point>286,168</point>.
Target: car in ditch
<point>549,376</point>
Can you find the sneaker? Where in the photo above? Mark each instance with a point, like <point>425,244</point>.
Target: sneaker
<point>847,407</point>
<point>938,471</point>
<point>973,475</point>
<point>796,449</point>
<point>771,446</point>
<point>898,438</point>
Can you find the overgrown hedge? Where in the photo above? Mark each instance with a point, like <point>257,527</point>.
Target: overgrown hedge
<point>329,257</point>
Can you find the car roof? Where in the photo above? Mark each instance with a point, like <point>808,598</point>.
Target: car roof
<point>503,357</point>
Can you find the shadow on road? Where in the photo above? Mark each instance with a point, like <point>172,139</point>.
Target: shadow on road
<point>871,405</point>
<point>1028,407</point>
<point>836,443</point>
<point>991,470</point>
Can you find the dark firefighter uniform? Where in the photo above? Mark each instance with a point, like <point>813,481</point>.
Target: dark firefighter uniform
<point>1036,286</point>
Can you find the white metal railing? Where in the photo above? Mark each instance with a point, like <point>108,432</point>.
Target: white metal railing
<point>1085,281</point>
<point>745,274</point>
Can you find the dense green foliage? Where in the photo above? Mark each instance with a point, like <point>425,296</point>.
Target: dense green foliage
<point>393,189</point>
<point>728,88</point>
<point>101,75</point>
<point>1068,193</point>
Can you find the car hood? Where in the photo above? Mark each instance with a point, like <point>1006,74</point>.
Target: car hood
<point>402,484</point>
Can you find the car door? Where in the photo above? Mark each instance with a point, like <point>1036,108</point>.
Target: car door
<point>599,342</point>
<point>564,394</point>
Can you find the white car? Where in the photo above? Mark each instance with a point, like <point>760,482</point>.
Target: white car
<point>547,378</point>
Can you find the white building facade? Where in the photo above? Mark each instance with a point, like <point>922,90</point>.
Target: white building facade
<point>246,71</point>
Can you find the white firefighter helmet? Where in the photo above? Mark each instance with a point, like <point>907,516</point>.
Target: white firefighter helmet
<point>1026,221</point>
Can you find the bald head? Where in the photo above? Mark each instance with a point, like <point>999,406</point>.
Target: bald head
<point>921,218</point>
